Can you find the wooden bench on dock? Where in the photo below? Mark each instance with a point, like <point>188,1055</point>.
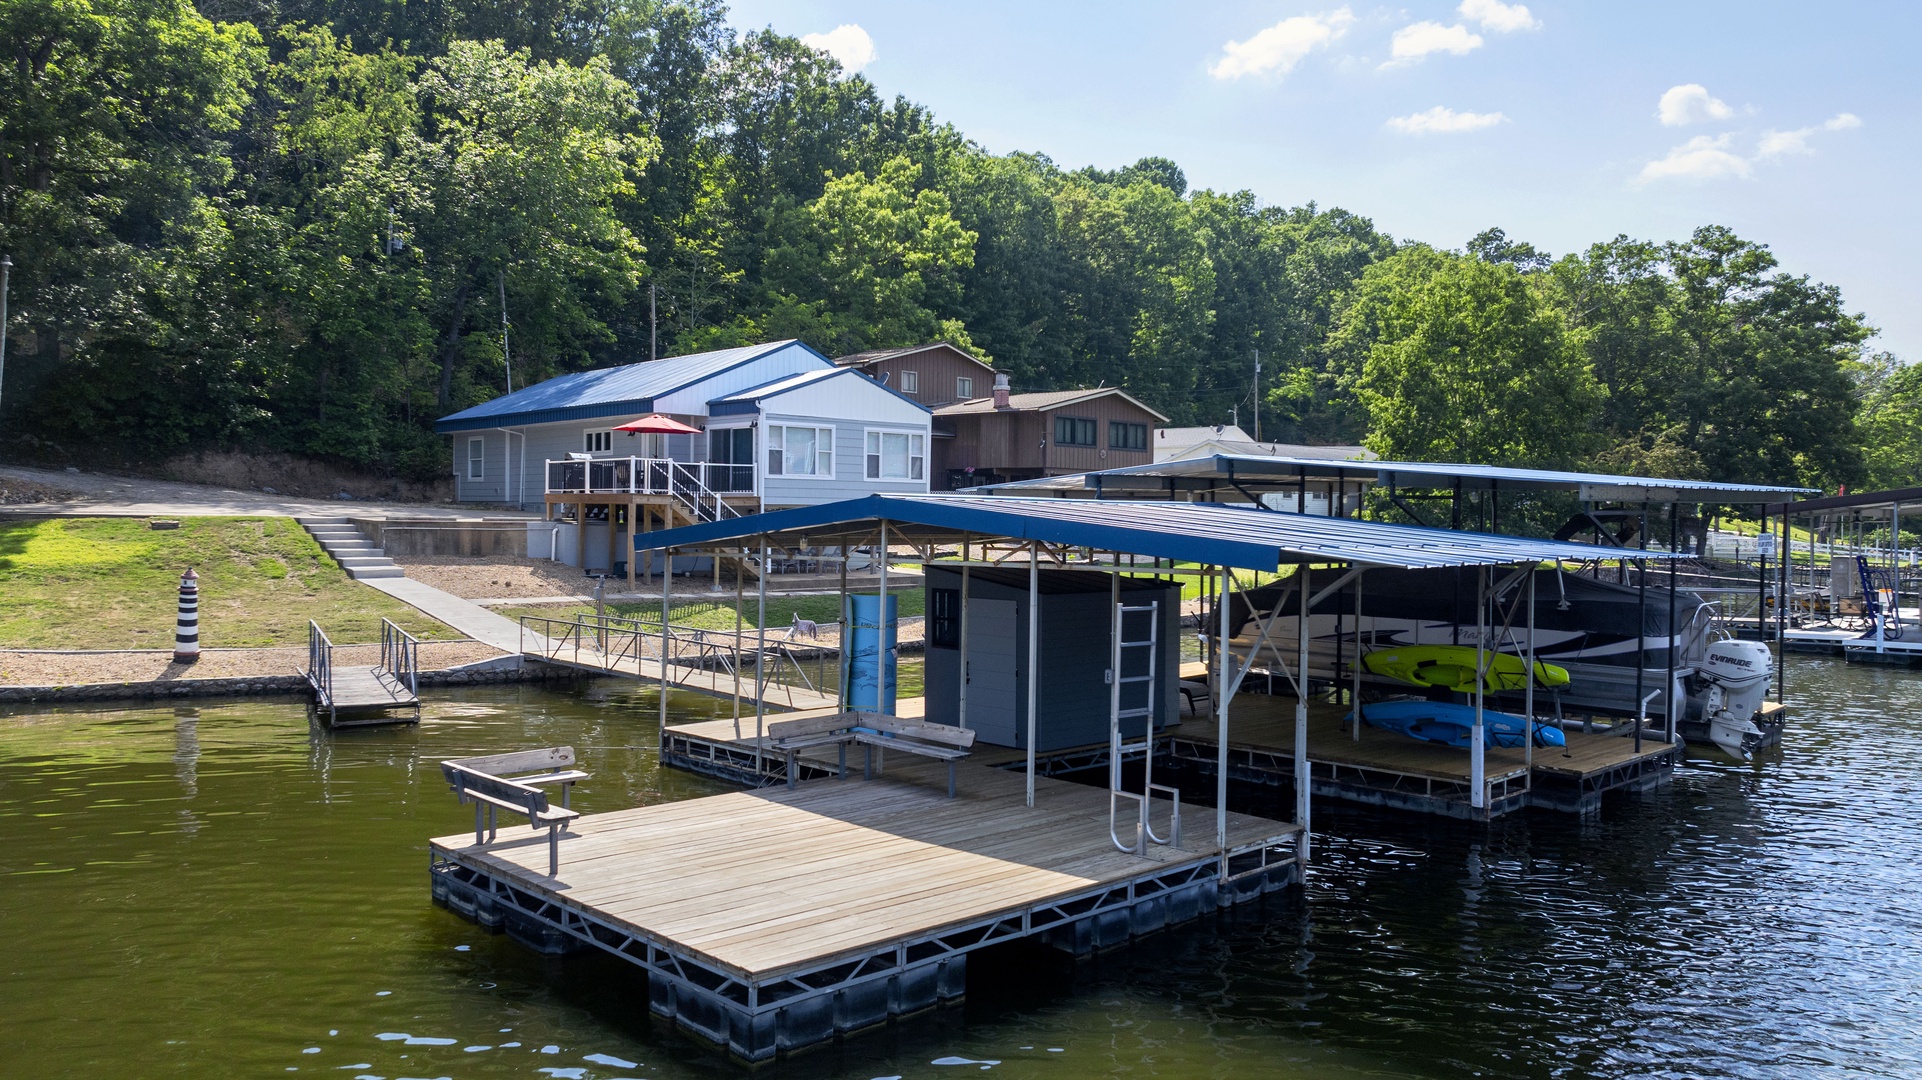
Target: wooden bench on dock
<point>940,741</point>
<point>507,782</point>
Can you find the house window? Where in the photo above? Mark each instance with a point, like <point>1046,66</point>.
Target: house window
<point>597,442</point>
<point>910,382</point>
<point>800,451</point>
<point>1073,431</point>
<point>477,459</point>
<point>944,618</point>
<point>896,456</point>
<point>963,388</point>
<point>1123,436</point>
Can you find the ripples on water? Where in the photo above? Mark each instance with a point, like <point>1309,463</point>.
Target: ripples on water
<point>213,892</point>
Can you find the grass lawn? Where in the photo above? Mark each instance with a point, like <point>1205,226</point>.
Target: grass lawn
<point>718,614</point>
<point>113,583</point>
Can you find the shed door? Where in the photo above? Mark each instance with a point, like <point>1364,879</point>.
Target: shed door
<point>992,633</point>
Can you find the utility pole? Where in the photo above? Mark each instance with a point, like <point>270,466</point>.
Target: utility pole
<point>1257,395</point>
<point>505,357</point>
<point>6,271</point>
<point>653,326</point>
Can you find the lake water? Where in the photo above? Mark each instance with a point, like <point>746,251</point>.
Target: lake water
<point>215,892</point>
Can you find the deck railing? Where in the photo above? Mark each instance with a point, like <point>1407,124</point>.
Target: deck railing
<point>692,483</point>
<point>399,656</point>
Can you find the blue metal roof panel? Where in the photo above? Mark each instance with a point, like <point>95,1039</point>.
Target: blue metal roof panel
<point>1203,533</point>
<point>630,388</point>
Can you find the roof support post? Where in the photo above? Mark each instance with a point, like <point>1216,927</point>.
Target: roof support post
<point>740,568</point>
<point>962,682</point>
<point>1782,592</point>
<point>1354,672</point>
<point>1477,764</point>
<point>1034,653</point>
<point>1641,635</point>
<point>1303,782</point>
<point>1669,708</point>
<point>841,641</point>
<point>1224,690</point>
<point>881,631</point>
<point>667,577</point>
<point>1528,687</point>
<point>760,659</point>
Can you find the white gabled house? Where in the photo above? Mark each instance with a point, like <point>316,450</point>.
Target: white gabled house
<point>779,425</point>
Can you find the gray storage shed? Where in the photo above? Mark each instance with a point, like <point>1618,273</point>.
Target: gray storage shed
<point>1075,619</point>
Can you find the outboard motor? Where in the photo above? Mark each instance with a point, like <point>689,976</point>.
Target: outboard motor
<point>1738,676</point>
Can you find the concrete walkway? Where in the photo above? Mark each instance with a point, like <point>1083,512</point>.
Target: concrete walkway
<point>466,616</point>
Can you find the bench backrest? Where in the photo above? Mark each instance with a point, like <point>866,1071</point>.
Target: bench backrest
<point>464,779</point>
<point>915,729</point>
<point>810,725</point>
<point>548,759</point>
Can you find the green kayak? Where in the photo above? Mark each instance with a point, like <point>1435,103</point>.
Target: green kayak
<point>1452,667</point>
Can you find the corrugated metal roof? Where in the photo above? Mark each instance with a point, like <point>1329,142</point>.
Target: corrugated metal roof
<point>1263,471</point>
<point>872,356</point>
<point>615,391</point>
<point>1042,401</point>
<point>1209,534</point>
<point>755,394</point>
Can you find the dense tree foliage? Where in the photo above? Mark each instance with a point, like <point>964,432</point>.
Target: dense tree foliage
<point>305,226</point>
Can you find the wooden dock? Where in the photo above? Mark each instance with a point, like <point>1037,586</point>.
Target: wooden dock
<point>769,920</point>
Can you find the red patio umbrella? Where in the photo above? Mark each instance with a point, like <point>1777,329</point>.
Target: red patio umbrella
<point>658,425</point>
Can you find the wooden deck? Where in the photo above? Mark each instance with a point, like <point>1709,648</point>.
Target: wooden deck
<point>780,896</point>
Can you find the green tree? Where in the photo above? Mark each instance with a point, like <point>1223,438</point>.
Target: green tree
<point>1460,359</point>
<point>1891,421</point>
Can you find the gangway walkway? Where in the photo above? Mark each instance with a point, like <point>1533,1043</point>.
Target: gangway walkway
<point>713,662</point>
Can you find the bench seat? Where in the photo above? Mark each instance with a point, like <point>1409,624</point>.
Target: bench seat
<point>869,730</point>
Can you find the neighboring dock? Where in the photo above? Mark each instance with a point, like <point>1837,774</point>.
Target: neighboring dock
<point>770,920</point>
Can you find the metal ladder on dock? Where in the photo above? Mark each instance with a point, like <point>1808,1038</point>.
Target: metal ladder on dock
<point>1119,748</point>
<point>1882,598</point>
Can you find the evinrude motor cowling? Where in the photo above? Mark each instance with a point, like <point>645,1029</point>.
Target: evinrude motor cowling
<point>1737,674</point>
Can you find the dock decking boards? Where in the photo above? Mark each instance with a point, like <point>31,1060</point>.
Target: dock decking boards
<point>364,696</point>
<point>769,919</point>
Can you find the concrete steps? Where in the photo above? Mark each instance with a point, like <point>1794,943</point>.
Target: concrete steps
<point>343,543</point>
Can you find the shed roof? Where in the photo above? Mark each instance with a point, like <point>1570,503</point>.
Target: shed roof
<point>1042,401</point>
<point>1264,472</point>
<point>1204,533</point>
<point>615,391</point>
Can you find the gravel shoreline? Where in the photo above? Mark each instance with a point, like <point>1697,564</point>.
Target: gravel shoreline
<point>42,668</point>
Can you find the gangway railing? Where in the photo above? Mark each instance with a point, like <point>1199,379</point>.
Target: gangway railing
<point>320,666</point>
<point>623,645</point>
<point>399,657</point>
<point>1119,748</point>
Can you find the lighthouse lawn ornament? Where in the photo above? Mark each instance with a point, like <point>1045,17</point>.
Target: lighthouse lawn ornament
<point>187,626</point>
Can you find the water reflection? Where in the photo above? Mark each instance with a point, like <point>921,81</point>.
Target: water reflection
<point>223,891</point>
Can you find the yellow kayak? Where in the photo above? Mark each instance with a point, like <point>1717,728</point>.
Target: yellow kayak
<point>1452,667</point>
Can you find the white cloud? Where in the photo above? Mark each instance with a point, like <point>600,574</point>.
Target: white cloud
<point>1778,143</point>
<point>1441,120</point>
<point>1705,157</point>
<point>1690,103</point>
<point>1416,40</point>
<point>1497,17</point>
<point>847,43</point>
<point>1281,46</point>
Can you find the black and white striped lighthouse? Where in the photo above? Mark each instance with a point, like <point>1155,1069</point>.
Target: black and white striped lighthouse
<point>187,626</point>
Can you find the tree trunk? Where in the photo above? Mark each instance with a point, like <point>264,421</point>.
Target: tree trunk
<point>450,343</point>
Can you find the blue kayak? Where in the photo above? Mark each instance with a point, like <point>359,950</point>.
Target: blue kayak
<point>1453,725</point>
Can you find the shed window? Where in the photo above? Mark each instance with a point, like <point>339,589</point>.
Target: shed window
<point>477,459</point>
<point>597,442</point>
<point>963,388</point>
<point>910,382</point>
<point>1125,436</point>
<point>944,618</point>
<point>1073,431</point>
<point>800,451</point>
<point>896,456</point>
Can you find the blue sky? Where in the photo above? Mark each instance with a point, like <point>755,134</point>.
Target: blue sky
<point>1565,124</point>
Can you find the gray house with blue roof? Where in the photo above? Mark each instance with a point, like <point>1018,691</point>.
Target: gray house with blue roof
<point>778,425</point>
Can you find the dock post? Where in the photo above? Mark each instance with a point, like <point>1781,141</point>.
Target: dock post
<point>667,579</point>
<point>1671,724</point>
<point>760,662</point>
<point>1354,673</point>
<point>962,682</point>
<point>1034,653</point>
<point>1222,691</point>
<point>1477,764</point>
<point>1528,691</point>
<point>187,622</point>
<point>1303,781</point>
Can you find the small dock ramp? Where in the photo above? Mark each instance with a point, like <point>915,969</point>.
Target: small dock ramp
<point>358,696</point>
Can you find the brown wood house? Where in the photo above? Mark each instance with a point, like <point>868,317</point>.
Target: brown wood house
<point>1008,436</point>
<point>933,375</point>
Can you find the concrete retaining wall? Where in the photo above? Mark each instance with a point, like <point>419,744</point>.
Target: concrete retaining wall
<point>489,671</point>
<point>465,538</point>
